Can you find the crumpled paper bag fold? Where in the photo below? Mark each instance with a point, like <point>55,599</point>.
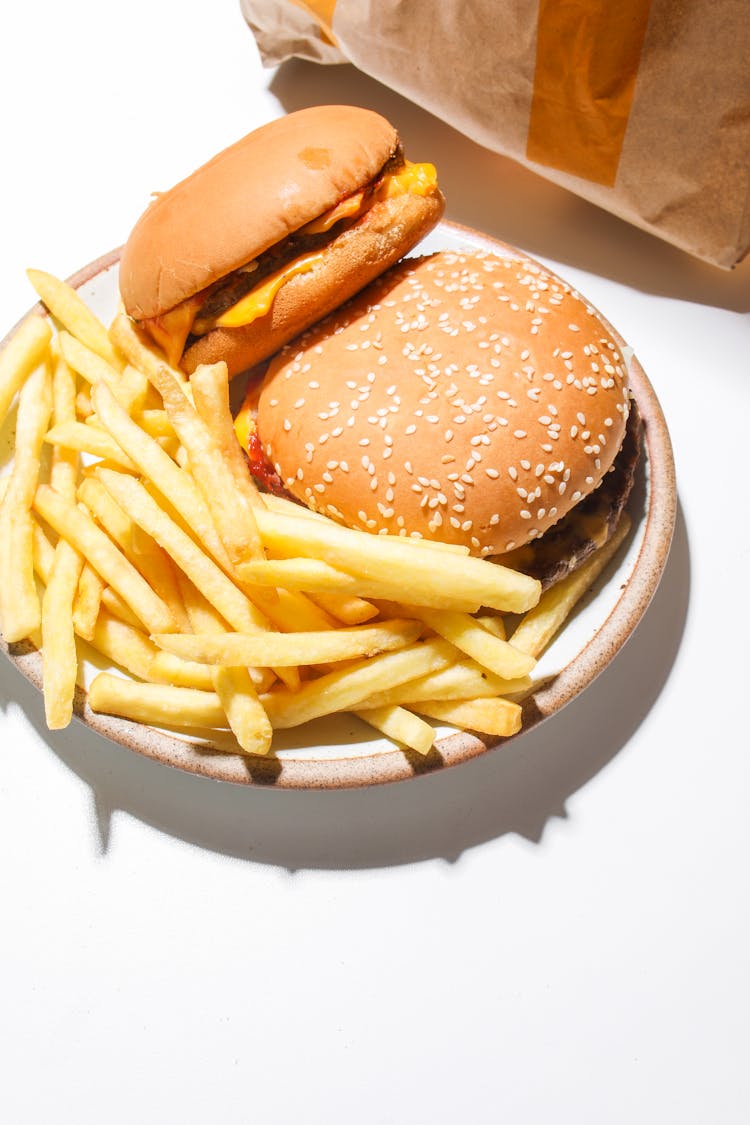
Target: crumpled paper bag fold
<point>643,108</point>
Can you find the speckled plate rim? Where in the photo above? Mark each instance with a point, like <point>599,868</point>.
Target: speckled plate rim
<point>397,765</point>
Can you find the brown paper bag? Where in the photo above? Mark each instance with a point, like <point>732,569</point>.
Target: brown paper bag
<point>642,107</point>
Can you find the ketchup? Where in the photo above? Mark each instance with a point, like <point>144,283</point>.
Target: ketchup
<point>261,468</point>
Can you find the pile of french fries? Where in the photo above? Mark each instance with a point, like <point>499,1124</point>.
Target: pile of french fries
<point>133,537</point>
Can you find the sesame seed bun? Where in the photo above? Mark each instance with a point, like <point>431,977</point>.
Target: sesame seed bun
<point>466,397</point>
<point>246,199</point>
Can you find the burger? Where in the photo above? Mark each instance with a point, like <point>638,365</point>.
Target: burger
<point>468,397</point>
<point>273,233</point>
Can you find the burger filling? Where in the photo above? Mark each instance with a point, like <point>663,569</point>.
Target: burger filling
<point>248,293</point>
<point>588,526</point>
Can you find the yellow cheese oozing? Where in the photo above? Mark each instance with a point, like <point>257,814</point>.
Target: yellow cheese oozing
<point>258,301</point>
<point>171,330</point>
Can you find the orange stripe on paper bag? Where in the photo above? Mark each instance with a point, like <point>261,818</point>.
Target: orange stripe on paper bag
<point>322,10</point>
<point>587,59</point>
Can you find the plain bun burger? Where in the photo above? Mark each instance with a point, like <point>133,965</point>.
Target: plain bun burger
<point>467,397</point>
<point>273,233</point>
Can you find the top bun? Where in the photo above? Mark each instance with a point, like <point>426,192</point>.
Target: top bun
<point>249,197</point>
<point>466,397</point>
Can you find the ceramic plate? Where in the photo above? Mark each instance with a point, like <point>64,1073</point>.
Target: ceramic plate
<point>340,751</point>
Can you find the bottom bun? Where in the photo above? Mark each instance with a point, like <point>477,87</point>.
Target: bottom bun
<point>389,230</point>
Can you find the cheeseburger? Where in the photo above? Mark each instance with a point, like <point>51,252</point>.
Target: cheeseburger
<point>467,397</point>
<point>273,233</point>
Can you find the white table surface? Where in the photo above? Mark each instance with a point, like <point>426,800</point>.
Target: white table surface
<point>555,933</point>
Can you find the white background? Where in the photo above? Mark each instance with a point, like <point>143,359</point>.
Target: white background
<point>555,933</point>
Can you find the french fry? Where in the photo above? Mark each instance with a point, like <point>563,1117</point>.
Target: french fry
<point>346,689</point>
<point>204,619</point>
<point>243,710</point>
<point>231,511</point>
<point>136,393</point>
<point>43,551</point>
<point>84,409</point>
<point>234,686</point>
<point>371,556</point>
<point>156,423</point>
<point>153,563</point>
<point>472,638</point>
<point>24,352</point>
<point>317,578</point>
<point>73,313</point>
<point>291,612</point>
<point>63,461</point>
<point>131,340</point>
<point>74,524</point>
<point>59,656</point>
<point>113,603</point>
<point>132,650</point>
<point>19,601</point>
<point>281,650</point>
<point>177,487</point>
<point>210,383</point>
<point>401,726</point>
<point>284,507</point>
<point>95,369</point>
<point>493,623</point>
<point>535,631</point>
<point>498,717</point>
<point>156,704</point>
<point>107,512</point>
<point>462,680</point>
<point>124,642</point>
<point>88,600</point>
<point>90,440</point>
<point>349,609</point>
<point>213,583</point>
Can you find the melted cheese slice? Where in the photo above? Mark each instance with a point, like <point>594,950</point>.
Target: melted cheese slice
<point>346,209</point>
<point>414,179</point>
<point>171,330</point>
<point>411,179</point>
<point>258,301</point>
